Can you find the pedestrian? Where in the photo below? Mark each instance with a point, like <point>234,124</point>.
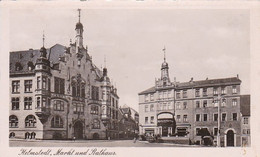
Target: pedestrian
<point>74,138</point>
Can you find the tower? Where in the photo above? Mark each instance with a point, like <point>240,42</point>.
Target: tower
<point>79,33</point>
<point>165,71</point>
<point>42,74</point>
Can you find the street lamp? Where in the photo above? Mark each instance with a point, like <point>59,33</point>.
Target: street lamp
<point>219,98</point>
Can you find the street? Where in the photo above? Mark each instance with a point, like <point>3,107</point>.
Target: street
<point>89,143</point>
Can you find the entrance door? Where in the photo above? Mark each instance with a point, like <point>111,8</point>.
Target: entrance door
<point>230,138</point>
<point>78,130</point>
<point>164,130</point>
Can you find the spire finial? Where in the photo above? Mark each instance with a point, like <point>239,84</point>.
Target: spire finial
<point>79,14</point>
<point>43,38</point>
<point>105,62</point>
<point>164,49</point>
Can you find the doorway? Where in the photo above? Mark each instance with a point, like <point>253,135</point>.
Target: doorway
<point>230,138</point>
<point>78,130</point>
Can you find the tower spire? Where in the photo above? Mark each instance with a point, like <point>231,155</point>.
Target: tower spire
<point>79,14</point>
<point>164,58</point>
<point>105,62</point>
<point>43,39</point>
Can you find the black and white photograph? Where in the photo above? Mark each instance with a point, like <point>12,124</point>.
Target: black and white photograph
<point>126,77</point>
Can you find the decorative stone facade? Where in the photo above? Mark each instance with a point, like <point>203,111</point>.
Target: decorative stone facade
<point>58,93</point>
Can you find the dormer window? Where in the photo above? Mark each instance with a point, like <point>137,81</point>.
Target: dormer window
<point>30,66</point>
<point>18,66</point>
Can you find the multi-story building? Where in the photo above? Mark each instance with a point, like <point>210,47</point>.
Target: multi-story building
<point>58,93</point>
<point>128,122</point>
<point>245,122</point>
<point>183,108</point>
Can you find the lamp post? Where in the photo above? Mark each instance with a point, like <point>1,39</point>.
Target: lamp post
<point>218,134</point>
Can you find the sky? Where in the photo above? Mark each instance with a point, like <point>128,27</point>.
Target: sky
<point>200,43</point>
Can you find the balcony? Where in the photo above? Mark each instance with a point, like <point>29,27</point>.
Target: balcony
<point>43,113</point>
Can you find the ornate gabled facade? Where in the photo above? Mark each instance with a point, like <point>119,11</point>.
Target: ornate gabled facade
<point>58,93</point>
<point>181,109</point>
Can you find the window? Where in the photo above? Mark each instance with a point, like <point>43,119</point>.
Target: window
<point>197,117</point>
<point>197,92</point>
<point>246,131</point>
<point>205,92</point>
<point>146,120</point>
<point>178,105</point>
<point>185,118</point>
<point>56,122</point>
<point>160,95</point>
<point>15,103</point>
<point>43,102</point>
<point>197,104</point>
<point>185,105</point>
<point>30,121</point>
<point>38,103</point>
<point>197,131</point>
<point>38,82</point>
<point>58,105</point>
<point>94,110</point>
<point>234,116</point>
<point>152,120</point>
<point>27,85</point>
<point>96,124</point>
<point>169,94</point>
<point>44,79</point>
<point>234,102</point>
<point>28,103</point>
<point>215,131</point>
<point>59,85</point>
<point>224,117</point>
<point>152,97</point>
<point>205,103</point>
<point>164,106</point>
<point>18,66</point>
<point>165,95</point>
<point>13,121</point>
<point>30,66</point>
<point>223,90</point>
<point>151,107</point>
<point>12,134</point>
<point>178,118</point>
<point>205,117</point>
<point>223,102</point>
<point>215,91</point>
<point>245,121</point>
<point>15,86</point>
<point>146,98</point>
<point>184,94</point>
<point>234,89</point>
<point>215,103</point>
<point>178,95</point>
<point>95,93</point>
<point>215,117</point>
<point>146,108</point>
<point>78,108</point>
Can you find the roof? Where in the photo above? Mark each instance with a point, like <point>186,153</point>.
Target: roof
<point>245,105</point>
<point>200,83</point>
<point>26,56</point>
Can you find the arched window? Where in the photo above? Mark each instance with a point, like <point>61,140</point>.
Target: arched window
<point>30,121</point>
<point>15,103</point>
<point>27,135</point>
<point>78,86</point>
<point>18,66</point>
<point>11,135</point>
<point>13,121</point>
<point>56,122</point>
<point>96,124</point>
<point>30,66</point>
<point>33,134</point>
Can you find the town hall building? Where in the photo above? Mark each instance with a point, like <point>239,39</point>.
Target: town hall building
<point>59,93</point>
